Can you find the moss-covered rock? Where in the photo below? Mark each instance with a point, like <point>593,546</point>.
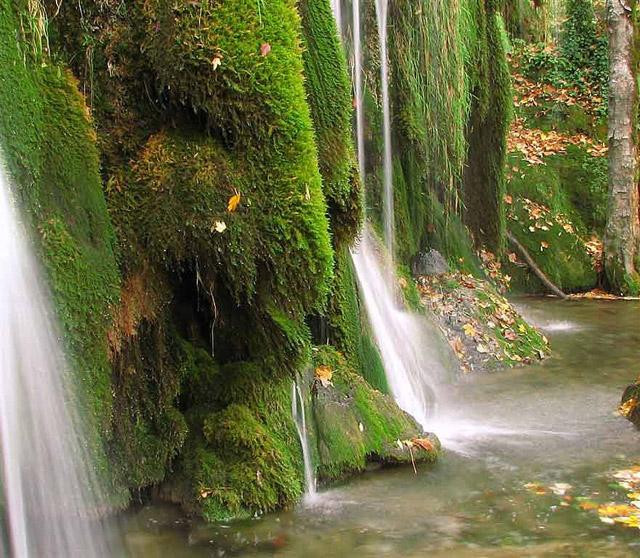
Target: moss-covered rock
<point>243,455</point>
<point>330,99</point>
<point>356,424</point>
<point>545,218</point>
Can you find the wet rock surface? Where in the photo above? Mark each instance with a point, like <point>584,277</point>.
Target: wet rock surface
<point>430,263</point>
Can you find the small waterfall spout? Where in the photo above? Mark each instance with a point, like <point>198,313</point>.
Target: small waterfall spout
<point>297,410</point>
<point>46,485</point>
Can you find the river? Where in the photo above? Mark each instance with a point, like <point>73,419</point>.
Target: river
<point>554,422</point>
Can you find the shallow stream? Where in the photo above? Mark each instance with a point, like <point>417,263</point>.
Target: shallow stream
<point>555,422</point>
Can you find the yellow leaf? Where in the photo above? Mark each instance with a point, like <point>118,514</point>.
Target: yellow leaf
<point>469,330</point>
<point>324,374</point>
<point>234,201</point>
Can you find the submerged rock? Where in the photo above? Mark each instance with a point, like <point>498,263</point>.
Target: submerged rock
<point>429,263</point>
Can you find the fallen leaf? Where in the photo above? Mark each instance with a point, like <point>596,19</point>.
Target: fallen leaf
<point>265,49</point>
<point>234,201</point>
<point>469,330</point>
<point>324,374</point>
<point>219,226</point>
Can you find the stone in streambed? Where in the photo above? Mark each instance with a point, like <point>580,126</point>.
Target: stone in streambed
<point>630,404</point>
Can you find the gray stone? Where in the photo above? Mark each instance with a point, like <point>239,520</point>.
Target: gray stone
<point>429,263</point>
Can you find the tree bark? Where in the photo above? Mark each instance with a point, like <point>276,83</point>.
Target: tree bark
<point>622,235</point>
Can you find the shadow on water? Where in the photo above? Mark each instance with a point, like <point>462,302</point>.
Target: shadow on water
<point>549,423</point>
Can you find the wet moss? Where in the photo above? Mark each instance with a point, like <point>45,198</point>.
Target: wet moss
<point>355,423</point>
<point>484,185</point>
<point>330,99</point>
<point>242,456</point>
<point>50,149</point>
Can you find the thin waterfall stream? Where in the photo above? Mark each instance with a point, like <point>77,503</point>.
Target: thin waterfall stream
<point>49,492</point>
<point>299,417</point>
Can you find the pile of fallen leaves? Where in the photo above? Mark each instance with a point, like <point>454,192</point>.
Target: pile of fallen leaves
<point>534,144</point>
<point>493,269</point>
<point>528,93</point>
<point>483,329</point>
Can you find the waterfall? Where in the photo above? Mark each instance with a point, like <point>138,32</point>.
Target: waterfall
<point>388,209</point>
<point>298,412</point>
<point>357,75</point>
<point>46,486</point>
<point>410,345</point>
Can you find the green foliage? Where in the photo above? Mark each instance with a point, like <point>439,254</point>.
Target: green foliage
<point>582,61</point>
<point>330,99</point>
<point>50,151</point>
<point>565,260</point>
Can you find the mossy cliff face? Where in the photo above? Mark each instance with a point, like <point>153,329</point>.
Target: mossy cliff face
<point>49,148</point>
<point>232,186</point>
<point>450,104</point>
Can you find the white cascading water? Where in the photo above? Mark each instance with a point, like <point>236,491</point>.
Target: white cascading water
<point>357,80</point>
<point>47,488</point>
<point>298,412</point>
<point>410,346</point>
<point>388,209</point>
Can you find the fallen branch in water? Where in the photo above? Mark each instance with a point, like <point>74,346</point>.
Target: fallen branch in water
<point>539,273</point>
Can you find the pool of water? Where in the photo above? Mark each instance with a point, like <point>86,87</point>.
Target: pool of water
<point>554,422</point>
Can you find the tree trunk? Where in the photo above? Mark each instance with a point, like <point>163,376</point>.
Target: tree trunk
<point>622,236</point>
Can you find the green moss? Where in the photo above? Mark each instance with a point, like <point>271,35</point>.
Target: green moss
<point>354,422</point>
<point>243,455</point>
<point>50,150</point>
<point>558,250</point>
<point>484,186</point>
<point>330,99</point>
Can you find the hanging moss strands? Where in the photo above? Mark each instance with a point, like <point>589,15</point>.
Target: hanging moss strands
<point>484,186</point>
<point>330,99</point>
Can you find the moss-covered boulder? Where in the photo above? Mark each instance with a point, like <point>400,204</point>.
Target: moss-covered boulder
<point>549,206</point>
<point>242,456</point>
<point>356,424</point>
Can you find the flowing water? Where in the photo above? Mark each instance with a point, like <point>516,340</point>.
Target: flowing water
<point>474,501</point>
<point>411,347</point>
<point>387,165</point>
<point>45,485</point>
<point>358,87</point>
<point>299,417</point>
